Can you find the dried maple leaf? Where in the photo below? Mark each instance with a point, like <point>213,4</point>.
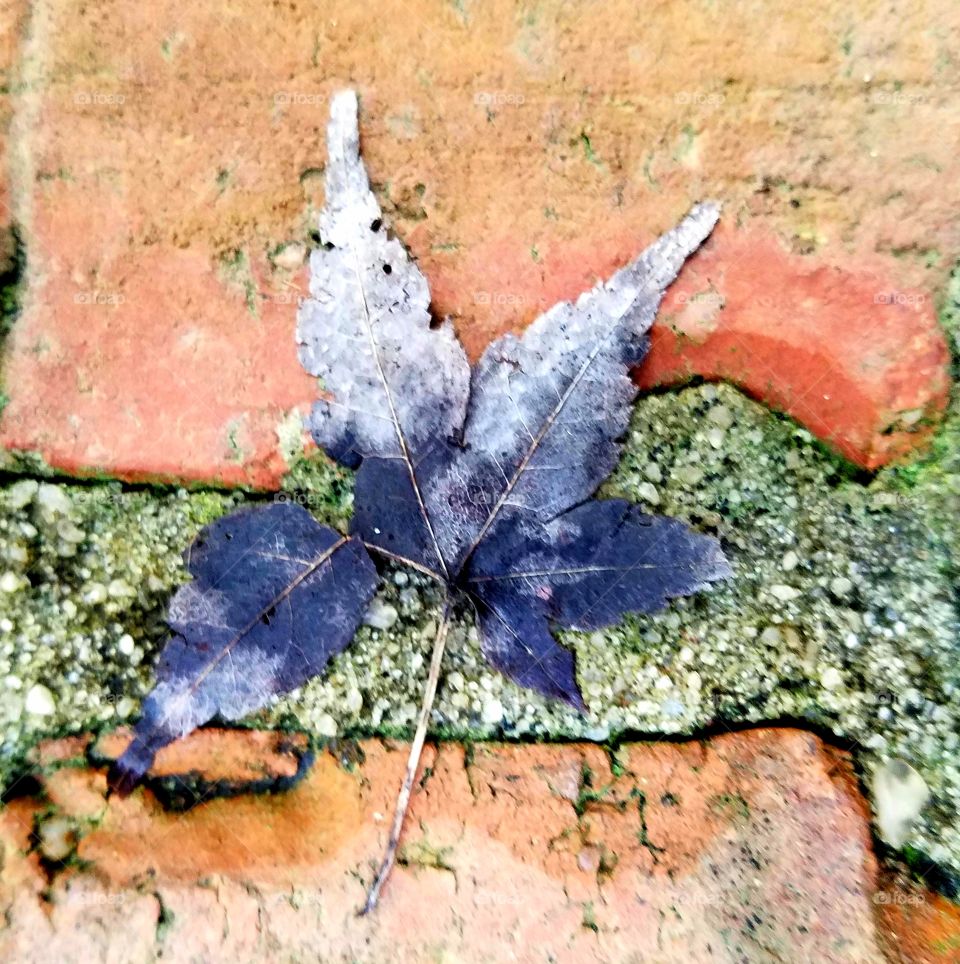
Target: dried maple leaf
<point>483,479</point>
<point>246,627</point>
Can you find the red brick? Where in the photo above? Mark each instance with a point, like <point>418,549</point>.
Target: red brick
<point>747,845</point>
<point>159,146</point>
<point>861,363</point>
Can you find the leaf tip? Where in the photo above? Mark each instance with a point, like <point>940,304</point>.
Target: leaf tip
<point>129,769</point>
<point>344,105</point>
<point>700,222</point>
<point>575,699</point>
<point>121,781</point>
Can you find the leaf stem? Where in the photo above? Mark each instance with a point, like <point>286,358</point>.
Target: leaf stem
<point>413,761</point>
<point>387,554</point>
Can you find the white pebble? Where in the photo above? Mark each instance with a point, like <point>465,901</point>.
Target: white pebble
<point>784,593</point>
<point>53,500</point>
<point>492,711</point>
<point>21,493</point>
<point>70,532</point>
<point>39,701</point>
<point>831,678</point>
<point>648,493</point>
<point>9,582</point>
<point>841,586</point>
<point>96,593</point>
<point>899,796</point>
<point>380,615</point>
<point>327,725</point>
<point>126,707</point>
<point>125,644</point>
<point>290,256</point>
<point>789,561</point>
<point>721,415</point>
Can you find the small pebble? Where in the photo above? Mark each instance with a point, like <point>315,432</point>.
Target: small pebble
<point>784,593</point>
<point>831,678</point>
<point>120,589</point>
<point>789,562</point>
<point>70,532</point>
<point>290,256</point>
<point>492,711</point>
<point>9,582</point>
<point>721,415</point>
<point>899,796</point>
<point>96,593</point>
<point>58,838</point>
<point>715,437</point>
<point>40,701</point>
<point>53,500</point>
<point>841,586</point>
<point>326,725</point>
<point>380,615</point>
<point>648,493</point>
<point>21,493</point>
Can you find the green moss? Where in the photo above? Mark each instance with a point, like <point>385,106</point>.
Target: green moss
<point>424,853</point>
<point>931,481</point>
<point>22,462</point>
<point>236,271</point>
<point>588,151</point>
<point>321,485</point>
<point>730,806</point>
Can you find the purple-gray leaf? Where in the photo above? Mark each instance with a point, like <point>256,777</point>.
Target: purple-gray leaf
<point>597,562</point>
<point>485,489</point>
<point>397,383</point>
<point>274,595</point>
<point>482,480</point>
<point>544,416</point>
<point>584,570</point>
